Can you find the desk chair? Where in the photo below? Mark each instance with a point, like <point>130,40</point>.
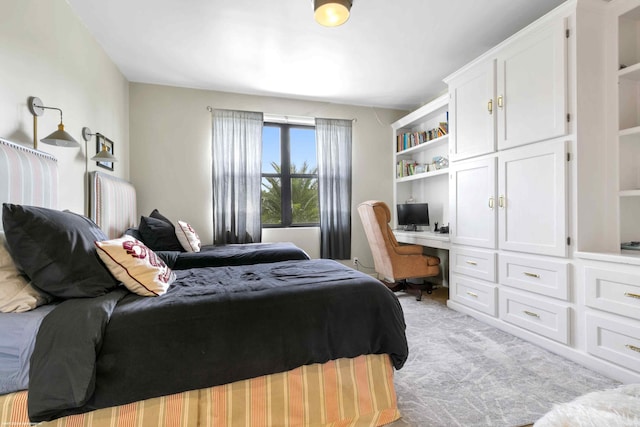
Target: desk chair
<point>395,263</point>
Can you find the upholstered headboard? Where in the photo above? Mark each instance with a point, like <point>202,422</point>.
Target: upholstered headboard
<point>113,204</point>
<point>27,176</point>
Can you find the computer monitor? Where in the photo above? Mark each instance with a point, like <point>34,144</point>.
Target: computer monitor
<point>411,215</point>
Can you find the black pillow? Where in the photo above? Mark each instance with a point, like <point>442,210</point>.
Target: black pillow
<point>157,215</point>
<point>159,235</point>
<point>56,250</point>
<point>135,233</point>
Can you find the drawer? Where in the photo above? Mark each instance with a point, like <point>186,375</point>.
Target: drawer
<point>544,317</point>
<point>615,341</point>
<point>613,291</point>
<point>473,262</point>
<point>481,296</point>
<point>542,276</point>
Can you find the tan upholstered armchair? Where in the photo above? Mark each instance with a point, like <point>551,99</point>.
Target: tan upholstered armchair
<point>395,263</point>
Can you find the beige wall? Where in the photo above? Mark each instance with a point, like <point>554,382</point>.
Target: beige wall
<point>171,152</point>
<point>47,52</point>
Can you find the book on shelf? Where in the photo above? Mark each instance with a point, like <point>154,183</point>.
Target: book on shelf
<point>408,168</point>
<point>443,129</point>
<point>408,140</point>
<point>405,168</point>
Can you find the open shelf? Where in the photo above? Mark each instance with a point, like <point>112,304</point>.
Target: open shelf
<point>630,73</point>
<point>624,256</point>
<point>424,186</point>
<point>630,131</point>
<point>423,175</point>
<point>443,140</point>
<point>629,193</point>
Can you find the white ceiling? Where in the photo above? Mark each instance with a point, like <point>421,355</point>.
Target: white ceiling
<point>390,53</point>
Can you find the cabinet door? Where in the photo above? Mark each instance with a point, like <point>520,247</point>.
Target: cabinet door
<point>532,87</point>
<point>473,204</point>
<point>472,112</point>
<point>532,199</point>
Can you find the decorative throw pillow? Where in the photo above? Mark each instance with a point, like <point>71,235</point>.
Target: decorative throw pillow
<point>55,250</point>
<point>159,235</point>
<point>16,294</point>
<point>188,237</point>
<point>133,232</point>
<point>157,215</point>
<point>135,265</point>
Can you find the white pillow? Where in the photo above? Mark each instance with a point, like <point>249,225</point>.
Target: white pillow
<point>135,265</point>
<point>16,293</point>
<point>188,237</point>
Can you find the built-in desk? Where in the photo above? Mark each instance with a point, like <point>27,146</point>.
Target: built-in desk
<point>429,239</point>
<point>423,238</point>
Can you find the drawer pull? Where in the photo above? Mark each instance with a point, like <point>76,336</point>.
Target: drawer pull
<point>475,263</point>
<point>633,347</point>
<point>531,313</point>
<point>537,276</point>
<point>630,295</point>
<point>472,294</point>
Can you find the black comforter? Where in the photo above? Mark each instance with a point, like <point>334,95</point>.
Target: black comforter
<point>236,254</point>
<point>213,326</point>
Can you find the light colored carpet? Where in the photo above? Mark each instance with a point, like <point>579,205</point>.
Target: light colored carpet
<point>462,372</point>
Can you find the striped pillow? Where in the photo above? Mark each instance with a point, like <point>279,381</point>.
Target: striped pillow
<point>135,265</point>
<point>188,237</point>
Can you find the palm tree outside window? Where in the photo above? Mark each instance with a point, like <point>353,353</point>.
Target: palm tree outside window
<point>289,194</point>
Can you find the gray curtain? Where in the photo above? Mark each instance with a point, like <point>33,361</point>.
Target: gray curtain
<point>237,160</point>
<point>333,139</point>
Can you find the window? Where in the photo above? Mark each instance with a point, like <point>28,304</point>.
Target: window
<point>289,176</point>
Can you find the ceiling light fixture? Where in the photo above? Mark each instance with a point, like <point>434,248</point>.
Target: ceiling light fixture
<point>60,137</point>
<point>331,13</point>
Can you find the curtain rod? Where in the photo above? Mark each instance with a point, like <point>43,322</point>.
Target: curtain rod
<point>287,118</point>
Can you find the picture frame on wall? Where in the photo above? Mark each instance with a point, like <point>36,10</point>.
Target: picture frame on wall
<point>102,141</point>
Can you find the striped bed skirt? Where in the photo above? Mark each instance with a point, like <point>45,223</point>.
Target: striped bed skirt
<point>343,392</point>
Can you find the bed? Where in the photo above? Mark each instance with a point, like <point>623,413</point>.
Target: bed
<point>113,208</point>
<point>155,365</point>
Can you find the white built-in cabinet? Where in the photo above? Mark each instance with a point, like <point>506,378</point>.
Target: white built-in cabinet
<point>473,203</point>
<point>519,205</point>
<point>627,68</point>
<point>472,112</point>
<point>531,95</point>
<point>613,321</point>
<point>508,183</point>
<point>532,199</point>
<point>544,183</point>
<point>545,149</point>
<point>610,274</point>
<point>516,96</point>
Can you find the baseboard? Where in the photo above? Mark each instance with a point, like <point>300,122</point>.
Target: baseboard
<point>601,366</point>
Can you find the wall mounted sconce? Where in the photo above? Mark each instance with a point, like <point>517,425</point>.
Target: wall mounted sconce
<point>60,137</point>
<point>331,13</point>
<point>104,155</point>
